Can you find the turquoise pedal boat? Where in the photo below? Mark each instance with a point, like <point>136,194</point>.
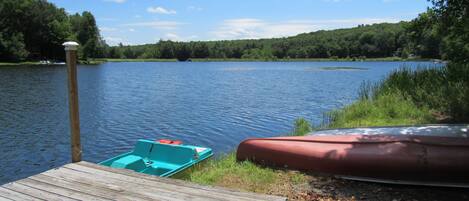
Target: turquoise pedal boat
<point>160,159</point>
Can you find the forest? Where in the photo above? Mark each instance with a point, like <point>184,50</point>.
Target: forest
<point>35,29</point>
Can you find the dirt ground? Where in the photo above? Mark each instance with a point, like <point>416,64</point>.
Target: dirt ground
<point>328,188</point>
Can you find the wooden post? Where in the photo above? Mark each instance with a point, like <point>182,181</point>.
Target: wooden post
<point>71,54</point>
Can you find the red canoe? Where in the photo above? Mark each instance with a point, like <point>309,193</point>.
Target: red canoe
<point>403,159</point>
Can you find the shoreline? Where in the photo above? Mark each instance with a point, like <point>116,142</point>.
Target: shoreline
<point>385,103</point>
<point>104,60</point>
<point>266,60</point>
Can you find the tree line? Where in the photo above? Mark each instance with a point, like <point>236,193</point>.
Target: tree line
<point>36,29</point>
<point>378,40</point>
<point>423,37</point>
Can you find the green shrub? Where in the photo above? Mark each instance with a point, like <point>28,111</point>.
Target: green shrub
<point>302,127</point>
<point>443,90</point>
<point>384,110</point>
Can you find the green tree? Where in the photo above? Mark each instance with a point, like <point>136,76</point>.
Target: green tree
<point>166,49</point>
<point>12,47</point>
<point>32,28</point>
<point>200,50</point>
<point>454,18</point>
<point>424,37</point>
<point>36,29</point>
<point>182,52</point>
<point>87,33</point>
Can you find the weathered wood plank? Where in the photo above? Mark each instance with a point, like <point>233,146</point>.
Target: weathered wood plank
<point>42,194</point>
<point>142,187</point>
<point>120,188</point>
<point>5,198</point>
<point>206,194</point>
<point>13,195</point>
<point>226,193</point>
<point>103,191</point>
<point>58,190</point>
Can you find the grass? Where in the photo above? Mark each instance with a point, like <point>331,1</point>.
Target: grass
<point>92,61</point>
<point>385,110</point>
<point>406,96</point>
<point>139,60</point>
<point>19,63</point>
<point>227,172</point>
<point>302,127</point>
<point>444,91</point>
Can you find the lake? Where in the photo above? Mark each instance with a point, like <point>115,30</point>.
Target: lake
<point>213,104</point>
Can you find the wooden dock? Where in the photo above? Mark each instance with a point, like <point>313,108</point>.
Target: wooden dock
<point>88,181</point>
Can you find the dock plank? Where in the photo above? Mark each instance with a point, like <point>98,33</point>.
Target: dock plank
<point>88,181</point>
<point>103,191</point>
<point>69,193</point>
<point>157,184</point>
<point>13,195</point>
<point>141,188</point>
<point>42,194</point>
<point>5,198</point>
<point>180,183</point>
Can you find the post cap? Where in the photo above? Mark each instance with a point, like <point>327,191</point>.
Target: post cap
<point>70,45</point>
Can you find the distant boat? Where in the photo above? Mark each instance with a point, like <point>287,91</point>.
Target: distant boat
<point>44,62</point>
<point>47,62</point>
<point>431,155</point>
<point>160,158</point>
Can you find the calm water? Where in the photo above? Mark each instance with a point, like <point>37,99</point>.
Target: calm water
<point>214,104</point>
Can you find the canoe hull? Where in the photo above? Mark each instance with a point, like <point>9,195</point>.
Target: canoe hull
<point>415,159</point>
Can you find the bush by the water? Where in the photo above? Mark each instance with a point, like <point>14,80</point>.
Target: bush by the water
<point>406,96</point>
<point>302,127</point>
<point>444,90</point>
<point>383,110</point>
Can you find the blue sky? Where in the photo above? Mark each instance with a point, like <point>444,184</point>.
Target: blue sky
<point>147,21</point>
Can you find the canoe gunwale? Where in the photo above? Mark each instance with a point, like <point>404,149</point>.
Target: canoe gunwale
<point>434,141</point>
<point>398,126</point>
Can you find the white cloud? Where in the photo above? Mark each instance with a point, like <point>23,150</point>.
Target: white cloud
<point>249,28</point>
<point>131,30</point>
<point>194,8</point>
<point>157,24</point>
<point>116,1</point>
<point>172,36</point>
<point>113,40</point>
<point>107,29</point>
<point>176,37</point>
<point>160,10</point>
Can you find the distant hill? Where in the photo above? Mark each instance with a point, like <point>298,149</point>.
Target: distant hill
<point>370,41</point>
